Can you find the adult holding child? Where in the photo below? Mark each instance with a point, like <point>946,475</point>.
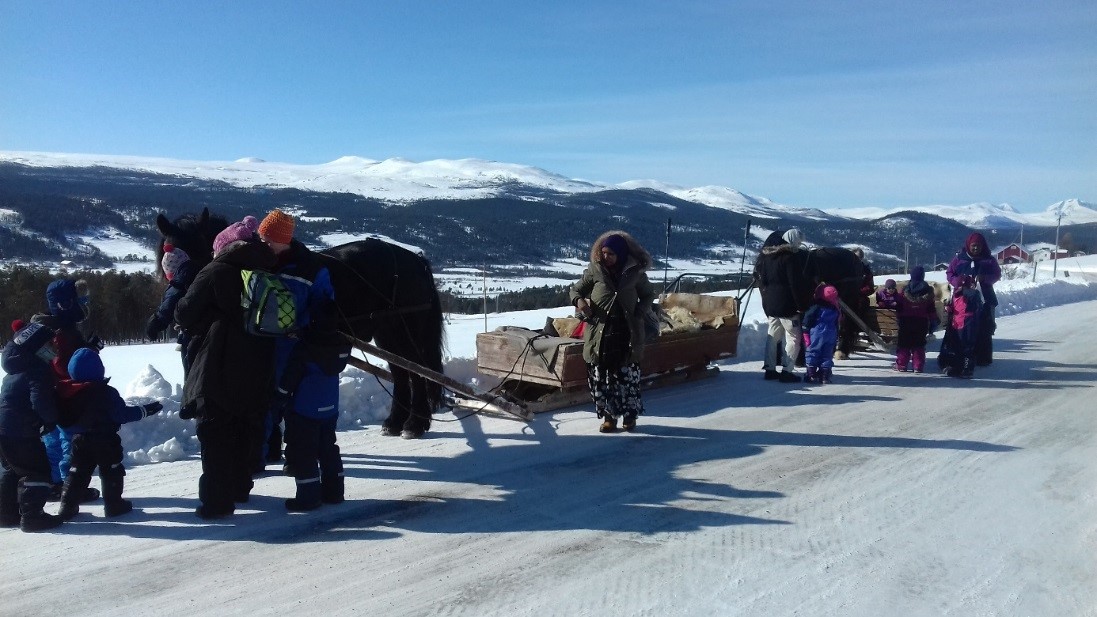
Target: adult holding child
<point>231,375</point>
<point>613,295</point>
<point>975,260</point>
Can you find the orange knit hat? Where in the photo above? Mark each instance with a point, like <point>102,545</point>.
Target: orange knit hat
<point>277,227</point>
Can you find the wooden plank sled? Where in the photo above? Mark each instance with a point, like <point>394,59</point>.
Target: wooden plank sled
<point>426,373</point>
<point>881,344</point>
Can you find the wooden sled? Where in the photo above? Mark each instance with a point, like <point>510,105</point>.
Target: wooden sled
<point>543,373</point>
<point>466,392</point>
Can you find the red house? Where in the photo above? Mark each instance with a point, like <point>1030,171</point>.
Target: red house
<point>1013,254</point>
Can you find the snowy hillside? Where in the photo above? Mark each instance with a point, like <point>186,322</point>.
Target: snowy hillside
<point>399,180</point>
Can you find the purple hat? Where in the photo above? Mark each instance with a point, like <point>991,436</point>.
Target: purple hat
<point>243,230</point>
<point>618,245</point>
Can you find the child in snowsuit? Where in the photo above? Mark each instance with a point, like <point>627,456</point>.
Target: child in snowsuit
<point>68,302</point>
<point>28,408</point>
<point>888,297</point>
<point>963,312</point>
<point>916,312</point>
<point>94,410</point>
<point>307,368</point>
<point>821,331</point>
<point>180,271</point>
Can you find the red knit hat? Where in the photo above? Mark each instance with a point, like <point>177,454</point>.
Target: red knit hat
<point>277,227</point>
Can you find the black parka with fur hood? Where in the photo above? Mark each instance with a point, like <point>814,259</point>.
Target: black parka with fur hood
<point>631,290</point>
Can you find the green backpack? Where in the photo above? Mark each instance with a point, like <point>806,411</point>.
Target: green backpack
<point>269,306</point>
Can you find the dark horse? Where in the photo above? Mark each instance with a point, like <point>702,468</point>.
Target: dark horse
<point>383,292</point>
<point>843,269</point>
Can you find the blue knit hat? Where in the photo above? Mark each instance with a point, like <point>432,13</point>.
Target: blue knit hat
<point>66,299</point>
<point>86,365</point>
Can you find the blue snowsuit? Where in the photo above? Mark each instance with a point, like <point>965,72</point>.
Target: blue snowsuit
<point>304,372</point>
<point>821,325</point>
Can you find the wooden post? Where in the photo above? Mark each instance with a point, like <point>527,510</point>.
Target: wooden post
<point>438,378</point>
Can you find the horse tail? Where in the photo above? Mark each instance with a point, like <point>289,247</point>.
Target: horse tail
<point>434,341</point>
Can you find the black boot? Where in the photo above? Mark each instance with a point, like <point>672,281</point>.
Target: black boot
<point>31,522</point>
<point>70,503</point>
<point>32,498</point>
<point>113,504</point>
<point>308,496</point>
<point>331,490</point>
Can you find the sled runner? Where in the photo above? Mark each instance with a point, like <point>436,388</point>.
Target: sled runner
<point>543,370</point>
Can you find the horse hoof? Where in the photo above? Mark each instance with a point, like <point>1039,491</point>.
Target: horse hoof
<point>410,434</point>
<point>389,431</point>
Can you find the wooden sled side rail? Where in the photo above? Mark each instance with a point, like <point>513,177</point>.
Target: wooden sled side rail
<point>509,407</point>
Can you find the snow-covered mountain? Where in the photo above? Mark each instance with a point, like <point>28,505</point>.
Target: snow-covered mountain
<point>398,180</point>
<point>985,215</point>
<point>392,180</point>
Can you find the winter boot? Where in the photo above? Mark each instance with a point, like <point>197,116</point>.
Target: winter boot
<point>609,425</point>
<point>308,495</point>
<point>902,357</point>
<point>331,490</point>
<point>113,504</point>
<point>38,520</point>
<point>788,377</point>
<point>813,374</point>
<point>824,375</point>
<point>209,513</point>
<point>628,422</point>
<point>918,357</point>
<point>70,502</point>
<point>89,495</point>
<point>771,375</point>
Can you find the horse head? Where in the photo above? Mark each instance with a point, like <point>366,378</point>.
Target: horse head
<point>193,233</point>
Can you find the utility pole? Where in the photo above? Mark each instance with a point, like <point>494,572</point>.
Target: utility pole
<point>906,258</point>
<point>1055,264</point>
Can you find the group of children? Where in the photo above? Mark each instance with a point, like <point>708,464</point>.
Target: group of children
<point>55,393</point>
<point>916,313</point>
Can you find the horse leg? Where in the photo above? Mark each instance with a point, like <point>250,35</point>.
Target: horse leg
<point>401,401</point>
<point>418,421</point>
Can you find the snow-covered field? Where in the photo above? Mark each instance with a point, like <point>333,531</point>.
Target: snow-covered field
<point>882,494</point>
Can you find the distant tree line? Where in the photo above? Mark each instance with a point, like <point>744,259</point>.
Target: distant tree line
<point>548,296</point>
<point>120,304</point>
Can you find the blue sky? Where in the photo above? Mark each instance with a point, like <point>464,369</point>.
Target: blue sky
<point>822,104</point>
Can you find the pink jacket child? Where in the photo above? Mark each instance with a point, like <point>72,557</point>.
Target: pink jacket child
<point>964,313</point>
<point>916,311</point>
<point>888,297</point>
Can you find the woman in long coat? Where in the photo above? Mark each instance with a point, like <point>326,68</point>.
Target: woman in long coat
<point>613,296</point>
<point>231,376</point>
<point>974,259</point>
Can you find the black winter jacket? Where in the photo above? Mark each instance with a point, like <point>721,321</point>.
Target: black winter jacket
<point>94,407</point>
<point>778,273</point>
<point>27,397</point>
<point>231,371</point>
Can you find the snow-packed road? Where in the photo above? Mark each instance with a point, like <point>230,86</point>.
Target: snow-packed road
<point>882,494</point>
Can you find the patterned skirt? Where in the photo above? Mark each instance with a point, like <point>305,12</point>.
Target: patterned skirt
<point>615,392</point>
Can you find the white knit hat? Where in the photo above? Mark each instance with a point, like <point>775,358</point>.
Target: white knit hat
<point>794,237</point>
